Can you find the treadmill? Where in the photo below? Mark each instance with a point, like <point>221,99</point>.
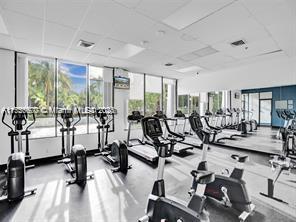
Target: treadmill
<point>180,146</point>
<point>137,146</point>
<point>189,139</point>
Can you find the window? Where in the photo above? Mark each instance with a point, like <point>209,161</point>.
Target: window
<point>152,95</point>
<point>136,93</point>
<point>183,103</point>
<point>194,103</point>
<point>96,93</point>
<point>215,101</point>
<point>36,88</point>
<point>253,106</point>
<point>245,105</point>
<point>72,85</point>
<point>169,96</point>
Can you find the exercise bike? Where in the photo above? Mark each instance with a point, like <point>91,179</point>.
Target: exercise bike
<point>116,153</point>
<point>73,156</point>
<point>16,165</point>
<point>160,207</point>
<point>231,190</point>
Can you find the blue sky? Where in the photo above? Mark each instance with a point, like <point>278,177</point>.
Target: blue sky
<point>77,74</point>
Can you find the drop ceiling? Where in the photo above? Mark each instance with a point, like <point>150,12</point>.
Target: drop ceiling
<point>144,35</point>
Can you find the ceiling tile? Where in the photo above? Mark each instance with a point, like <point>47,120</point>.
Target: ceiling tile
<point>128,3</point>
<point>193,12</point>
<point>285,37</point>
<point>107,46</point>
<point>96,59</point>
<point>76,55</point>
<point>172,44</point>
<point>23,27</point>
<point>232,20</point>
<point>54,51</point>
<point>58,35</point>
<point>270,12</point>
<point>253,49</point>
<point>159,10</point>
<point>28,46</point>
<point>6,42</point>
<point>101,17</point>
<point>67,12</point>
<point>34,8</point>
<point>212,60</point>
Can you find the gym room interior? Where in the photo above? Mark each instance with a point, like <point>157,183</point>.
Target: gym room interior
<point>148,110</point>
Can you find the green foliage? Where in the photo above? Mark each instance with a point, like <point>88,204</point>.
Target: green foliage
<point>135,105</point>
<point>152,102</point>
<point>96,93</point>
<point>41,84</point>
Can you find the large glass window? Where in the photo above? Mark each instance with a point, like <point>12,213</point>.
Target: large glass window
<point>169,96</point>
<point>36,88</point>
<point>183,103</point>
<point>96,93</point>
<point>215,101</point>
<point>152,95</point>
<point>136,93</point>
<point>253,106</point>
<point>72,85</point>
<point>194,103</point>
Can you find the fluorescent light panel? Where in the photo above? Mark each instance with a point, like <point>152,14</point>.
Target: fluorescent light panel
<point>205,51</point>
<point>128,51</point>
<point>189,69</point>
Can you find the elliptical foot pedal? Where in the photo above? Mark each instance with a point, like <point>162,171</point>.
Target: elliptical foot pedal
<point>30,192</point>
<point>244,215</point>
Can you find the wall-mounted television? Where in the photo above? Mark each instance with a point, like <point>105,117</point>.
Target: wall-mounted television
<point>121,82</point>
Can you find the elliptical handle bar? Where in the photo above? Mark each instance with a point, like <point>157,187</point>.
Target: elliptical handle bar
<point>3,120</point>
<point>79,117</point>
<point>34,120</point>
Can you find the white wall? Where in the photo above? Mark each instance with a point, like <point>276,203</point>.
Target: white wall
<point>6,98</point>
<point>278,71</point>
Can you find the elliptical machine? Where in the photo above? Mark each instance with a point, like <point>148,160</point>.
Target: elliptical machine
<point>231,190</point>
<point>16,164</point>
<point>116,153</point>
<point>74,156</point>
<point>160,207</point>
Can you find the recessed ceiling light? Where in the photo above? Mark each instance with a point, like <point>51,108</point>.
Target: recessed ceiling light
<point>128,51</point>
<point>189,69</point>
<point>85,44</point>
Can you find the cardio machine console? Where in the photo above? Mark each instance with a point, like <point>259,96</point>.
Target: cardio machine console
<point>151,127</point>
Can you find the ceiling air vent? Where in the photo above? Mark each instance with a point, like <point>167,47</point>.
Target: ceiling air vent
<point>238,43</point>
<point>85,44</point>
<point>169,64</point>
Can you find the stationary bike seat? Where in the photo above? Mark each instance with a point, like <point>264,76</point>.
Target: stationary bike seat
<point>203,176</point>
<point>239,158</point>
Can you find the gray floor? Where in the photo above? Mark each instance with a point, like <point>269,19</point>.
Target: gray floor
<point>263,140</point>
<point>117,198</point>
